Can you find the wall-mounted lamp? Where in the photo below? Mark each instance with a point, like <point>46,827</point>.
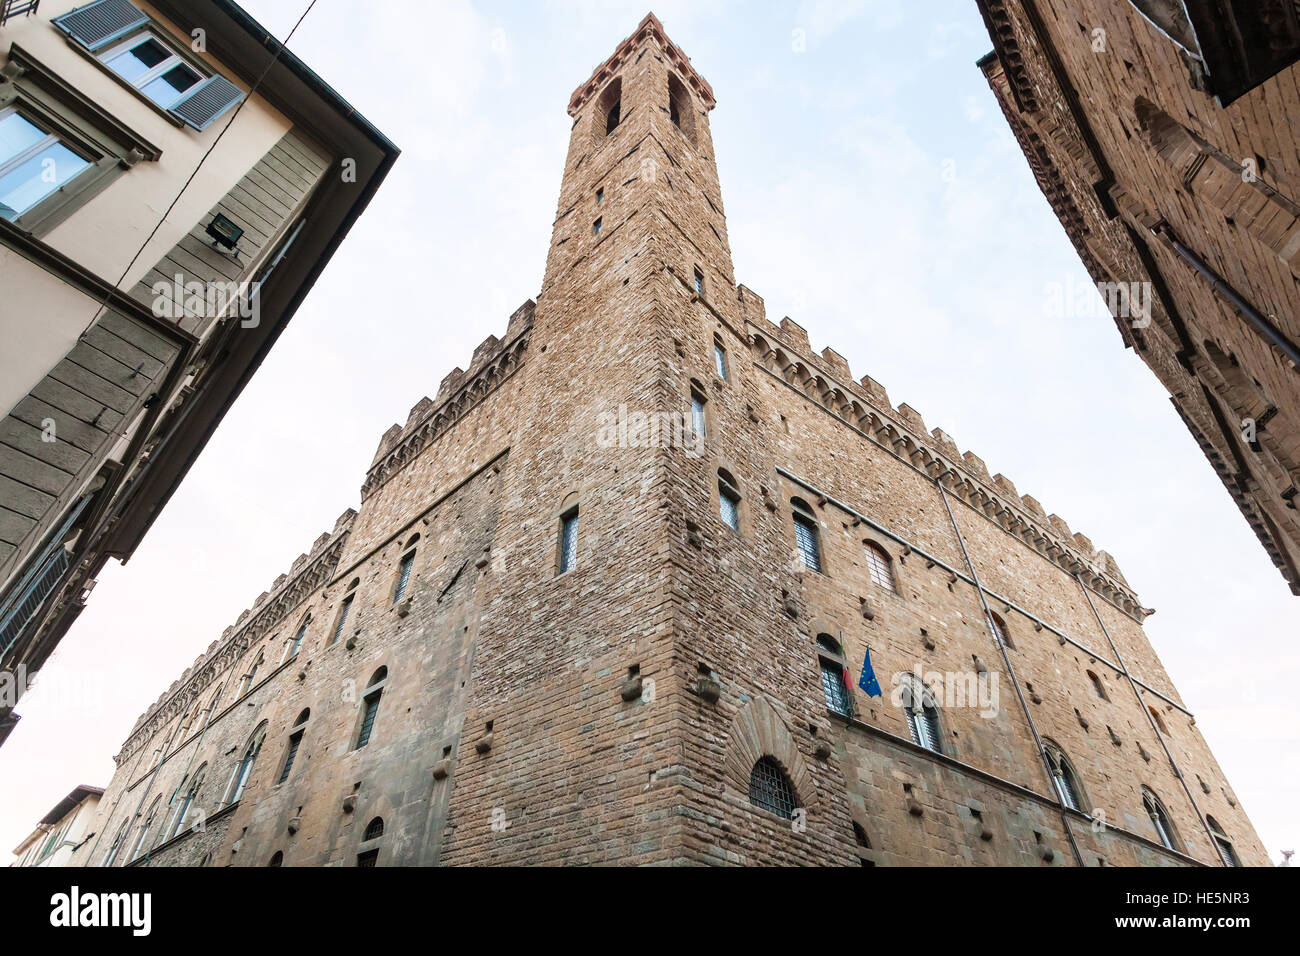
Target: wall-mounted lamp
<point>225,234</point>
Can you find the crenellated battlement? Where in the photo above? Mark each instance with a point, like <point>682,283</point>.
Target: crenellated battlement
<point>307,574</point>
<point>493,362</point>
<point>784,350</point>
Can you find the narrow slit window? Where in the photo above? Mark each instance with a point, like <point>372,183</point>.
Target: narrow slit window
<point>403,576</point>
<point>698,420</point>
<point>728,500</point>
<point>699,282</point>
<point>569,541</point>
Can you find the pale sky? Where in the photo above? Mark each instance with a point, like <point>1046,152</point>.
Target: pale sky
<point>873,194</point>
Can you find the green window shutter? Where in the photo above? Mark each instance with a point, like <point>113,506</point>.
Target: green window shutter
<point>96,25</point>
<point>208,101</point>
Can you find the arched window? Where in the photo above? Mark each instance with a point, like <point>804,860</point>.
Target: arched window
<point>191,797</point>
<point>118,842</point>
<point>1160,721</point>
<point>345,608</point>
<point>922,715</point>
<point>728,499</point>
<point>295,741</point>
<point>404,566</point>
<point>1164,827</point>
<point>1064,776</point>
<point>719,358</point>
<point>879,566</point>
<point>806,536</point>
<point>860,836</point>
<point>1225,845</point>
<point>770,788</point>
<point>145,828</point>
<point>680,110</point>
<point>301,633</point>
<point>374,829</point>
<point>277,859</point>
<point>249,677</point>
<point>830,658</point>
<point>1000,630</point>
<point>569,540</point>
<point>244,768</point>
<point>1098,686</point>
<point>370,706</point>
<point>212,708</point>
<point>609,109</point>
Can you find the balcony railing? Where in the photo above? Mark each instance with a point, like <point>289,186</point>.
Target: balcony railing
<point>15,8</point>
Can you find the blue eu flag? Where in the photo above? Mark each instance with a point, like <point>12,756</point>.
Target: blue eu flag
<point>868,679</point>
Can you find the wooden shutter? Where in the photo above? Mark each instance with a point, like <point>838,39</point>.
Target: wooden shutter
<point>98,24</point>
<point>208,101</point>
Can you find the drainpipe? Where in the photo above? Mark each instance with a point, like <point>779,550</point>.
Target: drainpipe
<point>1011,671</point>
<point>1228,294</point>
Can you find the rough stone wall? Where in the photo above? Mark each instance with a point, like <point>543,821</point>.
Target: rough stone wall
<point>1123,142</point>
<point>613,713</point>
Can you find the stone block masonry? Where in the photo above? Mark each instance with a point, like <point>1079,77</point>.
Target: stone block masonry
<point>545,640</point>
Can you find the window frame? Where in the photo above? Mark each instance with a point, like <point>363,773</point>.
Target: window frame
<point>369,713</point>
<point>779,776</point>
<point>405,570</point>
<point>53,105</point>
<point>175,58</point>
<point>830,657</point>
<point>880,565</point>
<point>720,365</point>
<point>1166,832</point>
<point>803,516</point>
<point>566,556</point>
<point>919,722</point>
<point>729,494</point>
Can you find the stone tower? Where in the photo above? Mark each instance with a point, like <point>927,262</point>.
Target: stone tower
<point>608,594</point>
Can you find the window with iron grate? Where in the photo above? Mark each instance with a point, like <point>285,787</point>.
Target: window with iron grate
<point>770,788</point>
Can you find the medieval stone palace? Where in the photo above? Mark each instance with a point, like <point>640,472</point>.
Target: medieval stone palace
<point>608,598</point>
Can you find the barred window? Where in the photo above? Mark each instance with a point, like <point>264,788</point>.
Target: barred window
<point>728,500</point>
<point>374,829</point>
<point>295,740</point>
<point>1160,820</point>
<point>370,706</point>
<point>297,638</point>
<point>569,541</point>
<point>837,695</point>
<point>403,576</point>
<point>878,565</point>
<point>371,857</point>
<point>805,535</point>
<point>770,788</point>
<point>922,717</point>
<point>344,610</point>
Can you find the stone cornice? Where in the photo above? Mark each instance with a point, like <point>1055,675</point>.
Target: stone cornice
<point>902,431</point>
<point>309,574</point>
<point>649,27</point>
